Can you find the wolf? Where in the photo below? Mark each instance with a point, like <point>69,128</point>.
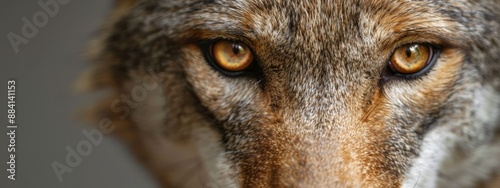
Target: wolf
<point>304,93</point>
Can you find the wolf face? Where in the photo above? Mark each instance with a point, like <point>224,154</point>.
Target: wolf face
<point>306,93</point>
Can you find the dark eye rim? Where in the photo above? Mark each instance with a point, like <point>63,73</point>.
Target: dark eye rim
<point>435,52</point>
<point>207,47</point>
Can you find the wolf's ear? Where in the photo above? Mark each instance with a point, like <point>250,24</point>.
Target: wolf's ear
<point>124,5</point>
<point>125,2</point>
<point>101,74</point>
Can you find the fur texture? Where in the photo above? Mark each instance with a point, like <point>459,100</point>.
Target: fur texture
<point>320,110</point>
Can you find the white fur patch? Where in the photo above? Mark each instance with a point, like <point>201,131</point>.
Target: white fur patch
<point>439,155</point>
<point>424,171</point>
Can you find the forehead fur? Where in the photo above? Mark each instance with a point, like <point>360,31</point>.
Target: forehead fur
<point>325,26</point>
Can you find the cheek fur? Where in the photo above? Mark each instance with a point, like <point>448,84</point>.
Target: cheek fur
<point>429,93</point>
<point>223,96</point>
<point>207,85</point>
<point>381,144</point>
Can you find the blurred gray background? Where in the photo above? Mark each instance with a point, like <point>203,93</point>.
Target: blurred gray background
<point>45,69</point>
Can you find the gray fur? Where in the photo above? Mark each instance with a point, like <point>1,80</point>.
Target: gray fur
<point>320,111</point>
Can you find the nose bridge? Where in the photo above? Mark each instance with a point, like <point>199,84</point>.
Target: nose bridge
<point>319,151</point>
<point>322,104</point>
<point>317,105</point>
<point>326,144</point>
<point>321,87</point>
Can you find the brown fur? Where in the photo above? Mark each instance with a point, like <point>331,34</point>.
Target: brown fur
<point>321,110</point>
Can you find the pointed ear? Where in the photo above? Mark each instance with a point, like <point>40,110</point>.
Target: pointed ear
<point>124,3</point>
<point>122,6</point>
<point>101,74</point>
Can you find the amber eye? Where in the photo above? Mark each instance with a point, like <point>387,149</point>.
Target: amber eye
<point>231,56</point>
<point>411,59</point>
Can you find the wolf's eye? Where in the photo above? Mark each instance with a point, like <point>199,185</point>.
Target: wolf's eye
<point>412,59</point>
<point>231,56</point>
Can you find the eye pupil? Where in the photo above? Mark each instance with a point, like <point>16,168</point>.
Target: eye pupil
<point>236,49</point>
<point>408,52</point>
